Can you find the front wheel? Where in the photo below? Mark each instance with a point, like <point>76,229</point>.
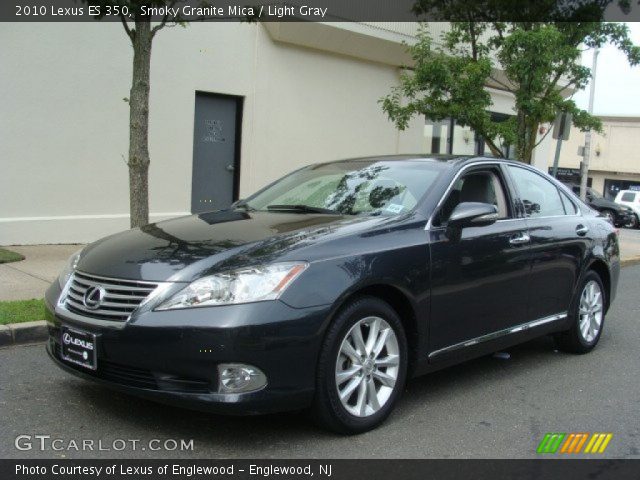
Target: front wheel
<point>362,367</point>
<point>588,317</point>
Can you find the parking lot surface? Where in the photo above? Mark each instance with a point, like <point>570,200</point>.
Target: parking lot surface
<point>489,407</point>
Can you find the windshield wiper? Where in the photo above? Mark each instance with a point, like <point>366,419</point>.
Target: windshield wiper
<point>302,209</point>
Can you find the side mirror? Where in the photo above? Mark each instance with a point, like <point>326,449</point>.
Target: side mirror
<point>473,214</point>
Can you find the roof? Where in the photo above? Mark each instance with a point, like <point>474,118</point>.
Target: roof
<point>407,156</point>
<point>453,159</point>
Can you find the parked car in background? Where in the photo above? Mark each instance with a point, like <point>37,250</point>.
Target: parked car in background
<point>630,199</point>
<point>330,287</point>
<point>618,215</point>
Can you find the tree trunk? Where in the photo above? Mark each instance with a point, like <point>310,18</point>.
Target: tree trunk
<point>139,125</point>
<point>521,136</point>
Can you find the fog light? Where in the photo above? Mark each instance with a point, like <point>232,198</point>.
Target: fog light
<point>240,378</point>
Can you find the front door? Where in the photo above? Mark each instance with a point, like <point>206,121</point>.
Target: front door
<point>215,151</point>
<point>480,278</point>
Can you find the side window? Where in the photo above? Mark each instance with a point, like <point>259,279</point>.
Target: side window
<point>476,186</point>
<point>627,197</point>
<point>569,207</point>
<point>540,197</point>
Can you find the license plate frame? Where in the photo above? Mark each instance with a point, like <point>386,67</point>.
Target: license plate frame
<point>79,347</point>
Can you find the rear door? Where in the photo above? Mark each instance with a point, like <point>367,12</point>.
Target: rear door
<point>479,282</point>
<point>559,237</point>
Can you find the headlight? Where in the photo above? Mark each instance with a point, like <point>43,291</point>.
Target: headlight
<point>239,286</point>
<point>68,269</point>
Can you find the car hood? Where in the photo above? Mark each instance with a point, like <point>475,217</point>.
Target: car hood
<point>604,203</point>
<point>186,248</point>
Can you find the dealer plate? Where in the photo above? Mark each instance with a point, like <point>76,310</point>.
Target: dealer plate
<point>79,347</point>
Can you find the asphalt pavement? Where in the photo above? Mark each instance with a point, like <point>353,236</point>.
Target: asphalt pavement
<point>486,408</point>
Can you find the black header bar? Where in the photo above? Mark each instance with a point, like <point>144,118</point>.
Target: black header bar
<point>319,10</point>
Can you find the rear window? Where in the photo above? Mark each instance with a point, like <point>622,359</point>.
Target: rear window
<point>628,197</point>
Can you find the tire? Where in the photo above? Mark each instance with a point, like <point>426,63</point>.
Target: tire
<point>586,328</point>
<point>363,409</point>
<point>635,222</point>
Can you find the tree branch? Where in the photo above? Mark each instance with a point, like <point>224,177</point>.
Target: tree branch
<point>165,19</point>
<point>543,137</point>
<point>130,33</point>
<point>501,83</point>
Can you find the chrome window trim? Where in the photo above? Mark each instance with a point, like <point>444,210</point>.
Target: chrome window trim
<point>499,333</point>
<point>541,175</point>
<point>429,225</point>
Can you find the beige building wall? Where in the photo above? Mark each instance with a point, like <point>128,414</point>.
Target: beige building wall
<point>615,153</point>
<point>64,122</point>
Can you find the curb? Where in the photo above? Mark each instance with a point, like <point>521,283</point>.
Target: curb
<point>27,332</point>
<point>627,262</point>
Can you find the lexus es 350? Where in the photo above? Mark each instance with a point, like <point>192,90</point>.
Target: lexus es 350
<point>329,288</point>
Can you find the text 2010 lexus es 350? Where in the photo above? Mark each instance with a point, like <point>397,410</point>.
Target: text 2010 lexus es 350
<point>331,286</point>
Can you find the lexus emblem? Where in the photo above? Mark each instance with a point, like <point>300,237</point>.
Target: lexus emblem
<point>93,297</point>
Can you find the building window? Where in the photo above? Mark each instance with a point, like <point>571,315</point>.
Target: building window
<point>437,136</point>
<point>612,187</point>
<point>447,136</point>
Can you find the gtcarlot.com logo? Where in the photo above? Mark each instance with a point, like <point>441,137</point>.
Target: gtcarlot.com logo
<point>574,443</point>
<point>47,442</point>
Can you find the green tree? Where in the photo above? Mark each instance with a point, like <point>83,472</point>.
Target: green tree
<point>538,62</point>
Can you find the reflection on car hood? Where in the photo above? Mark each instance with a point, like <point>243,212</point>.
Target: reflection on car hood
<point>183,248</point>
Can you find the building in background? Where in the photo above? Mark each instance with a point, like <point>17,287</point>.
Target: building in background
<point>233,106</point>
<point>615,157</point>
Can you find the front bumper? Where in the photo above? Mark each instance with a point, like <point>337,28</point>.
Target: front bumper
<point>172,356</point>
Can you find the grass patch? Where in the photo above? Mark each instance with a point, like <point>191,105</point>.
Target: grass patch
<point>19,311</point>
<point>7,256</point>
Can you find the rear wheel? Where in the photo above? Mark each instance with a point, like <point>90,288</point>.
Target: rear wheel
<point>588,317</point>
<point>362,367</point>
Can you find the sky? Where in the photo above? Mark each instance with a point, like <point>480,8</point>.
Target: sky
<point>617,83</point>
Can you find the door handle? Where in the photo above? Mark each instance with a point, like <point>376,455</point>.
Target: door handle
<point>582,230</point>
<point>520,239</point>
<point>230,168</point>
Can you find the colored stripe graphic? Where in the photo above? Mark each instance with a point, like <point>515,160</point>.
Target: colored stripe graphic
<point>569,443</point>
<point>551,442</point>
<point>598,443</point>
<point>574,442</point>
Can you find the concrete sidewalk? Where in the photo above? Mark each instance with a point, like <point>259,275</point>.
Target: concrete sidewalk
<point>30,277</point>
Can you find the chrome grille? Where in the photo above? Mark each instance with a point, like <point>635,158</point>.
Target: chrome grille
<point>121,299</point>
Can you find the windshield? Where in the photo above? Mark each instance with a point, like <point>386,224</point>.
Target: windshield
<point>594,194</point>
<point>351,188</point>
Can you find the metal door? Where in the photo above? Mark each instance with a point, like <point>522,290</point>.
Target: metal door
<point>215,151</point>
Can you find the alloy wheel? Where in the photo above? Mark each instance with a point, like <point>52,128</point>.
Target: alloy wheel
<point>591,311</point>
<point>367,366</point>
